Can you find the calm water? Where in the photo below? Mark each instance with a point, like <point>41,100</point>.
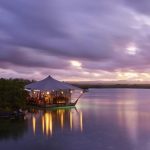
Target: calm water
<point>104,119</point>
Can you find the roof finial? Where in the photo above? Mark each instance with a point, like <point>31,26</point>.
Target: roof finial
<point>49,76</point>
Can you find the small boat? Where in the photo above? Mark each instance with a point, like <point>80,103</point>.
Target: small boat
<point>12,115</point>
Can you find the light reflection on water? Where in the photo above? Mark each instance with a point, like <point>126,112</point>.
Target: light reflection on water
<point>62,117</point>
<point>34,124</point>
<point>107,119</point>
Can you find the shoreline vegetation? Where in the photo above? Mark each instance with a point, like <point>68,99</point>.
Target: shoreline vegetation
<point>13,96</point>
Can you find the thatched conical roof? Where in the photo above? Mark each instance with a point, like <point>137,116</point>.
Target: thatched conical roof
<point>49,84</point>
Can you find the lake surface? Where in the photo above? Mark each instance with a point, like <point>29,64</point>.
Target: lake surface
<point>104,119</point>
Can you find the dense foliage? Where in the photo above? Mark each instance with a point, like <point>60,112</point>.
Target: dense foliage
<point>12,93</point>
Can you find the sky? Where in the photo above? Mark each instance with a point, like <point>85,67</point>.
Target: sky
<point>75,40</point>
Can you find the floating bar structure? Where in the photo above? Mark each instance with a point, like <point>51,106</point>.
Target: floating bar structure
<point>50,92</point>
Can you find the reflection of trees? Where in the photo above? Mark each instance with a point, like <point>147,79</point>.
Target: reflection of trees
<point>12,129</point>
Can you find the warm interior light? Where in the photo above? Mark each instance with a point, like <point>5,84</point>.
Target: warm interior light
<point>62,92</point>
<point>47,93</point>
<point>71,91</point>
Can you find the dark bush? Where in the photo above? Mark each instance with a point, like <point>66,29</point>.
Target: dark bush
<point>12,93</point>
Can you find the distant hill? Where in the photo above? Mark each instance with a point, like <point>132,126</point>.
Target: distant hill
<point>109,82</point>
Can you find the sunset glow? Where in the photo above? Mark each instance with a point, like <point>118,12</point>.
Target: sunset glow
<point>76,64</point>
<point>131,49</point>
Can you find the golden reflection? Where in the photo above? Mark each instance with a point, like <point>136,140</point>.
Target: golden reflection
<point>71,121</point>
<point>34,124</point>
<point>50,124</point>
<point>62,120</point>
<point>43,125</point>
<point>58,119</point>
<point>81,121</point>
<point>47,123</point>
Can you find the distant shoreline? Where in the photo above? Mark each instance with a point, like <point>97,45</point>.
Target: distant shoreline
<point>132,86</point>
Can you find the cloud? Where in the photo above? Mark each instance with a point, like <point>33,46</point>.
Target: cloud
<point>28,58</point>
<point>140,6</point>
<point>47,35</point>
<point>58,23</point>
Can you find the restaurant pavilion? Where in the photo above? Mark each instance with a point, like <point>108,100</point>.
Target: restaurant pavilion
<point>50,92</point>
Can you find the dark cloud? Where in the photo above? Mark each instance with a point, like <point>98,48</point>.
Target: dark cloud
<point>142,6</point>
<point>28,58</point>
<point>48,34</point>
<point>57,28</point>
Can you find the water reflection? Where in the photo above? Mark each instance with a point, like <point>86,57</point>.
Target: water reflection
<point>134,121</point>
<point>47,124</point>
<point>128,119</point>
<point>71,121</point>
<point>51,120</point>
<point>12,129</point>
<point>62,119</point>
<point>34,124</point>
<point>81,121</point>
<point>117,119</point>
<point>129,112</point>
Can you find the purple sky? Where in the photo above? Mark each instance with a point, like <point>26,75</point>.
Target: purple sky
<point>75,39</point>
